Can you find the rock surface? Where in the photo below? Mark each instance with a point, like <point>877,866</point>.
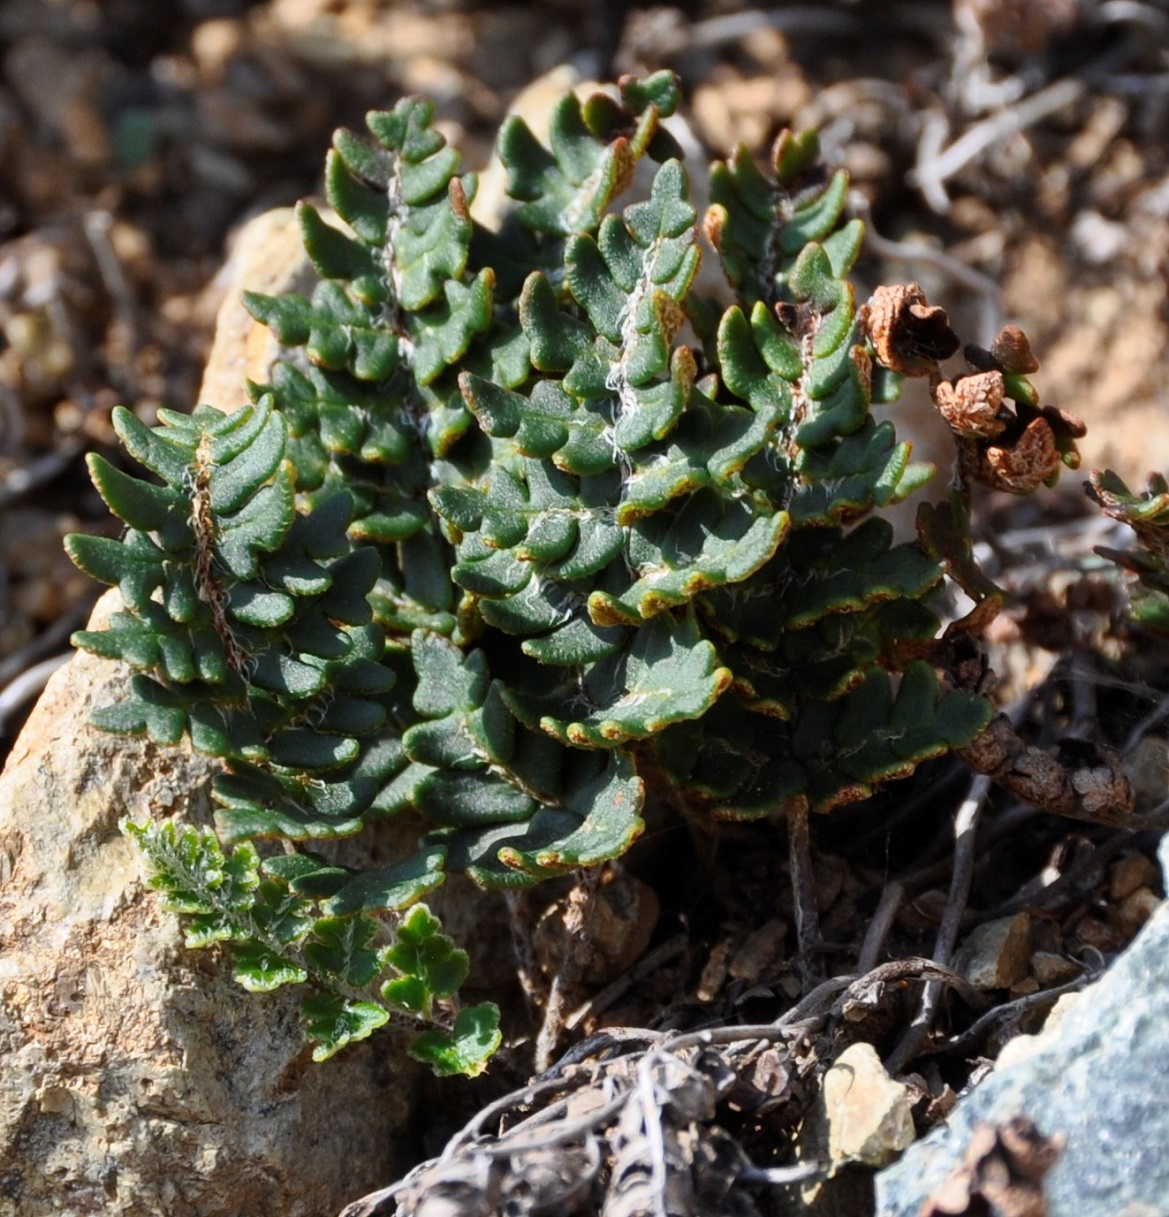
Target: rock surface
<point>860,1118</point>
<point>1095,1077</point>
<point>867,1113</point>
<point>139,1079</point>
<point>996,954</point>
<point>267,256</point>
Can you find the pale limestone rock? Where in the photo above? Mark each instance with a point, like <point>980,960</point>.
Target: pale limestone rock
<point>866,1112</point>
<point>997,954</point>
<point>860,1118</point>
<point>138,1078</point>
<point>267,256</point>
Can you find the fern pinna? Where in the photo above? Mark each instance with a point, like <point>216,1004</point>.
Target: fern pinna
<point>521,517</point>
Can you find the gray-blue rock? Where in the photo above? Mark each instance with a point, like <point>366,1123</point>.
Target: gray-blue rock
<point>1099,1077</point>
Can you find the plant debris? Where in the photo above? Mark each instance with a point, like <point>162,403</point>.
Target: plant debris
<point>1004,1170</point>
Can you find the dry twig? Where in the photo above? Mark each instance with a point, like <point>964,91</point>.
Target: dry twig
<point>965,830</point>
<point>1083,780</point>
<point>803,890</point>
<point>935,167</point>
<point>892,898</point>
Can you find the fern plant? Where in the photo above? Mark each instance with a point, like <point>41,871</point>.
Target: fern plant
<point>523,520</point>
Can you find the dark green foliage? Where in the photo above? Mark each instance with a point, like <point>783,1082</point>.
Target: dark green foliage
<point>500,536</point>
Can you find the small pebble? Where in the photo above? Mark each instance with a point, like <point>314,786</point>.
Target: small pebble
<point>996,954</point>
<point>1130,872</point>
<point>1051,969</point>
<point>1137,908</point>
